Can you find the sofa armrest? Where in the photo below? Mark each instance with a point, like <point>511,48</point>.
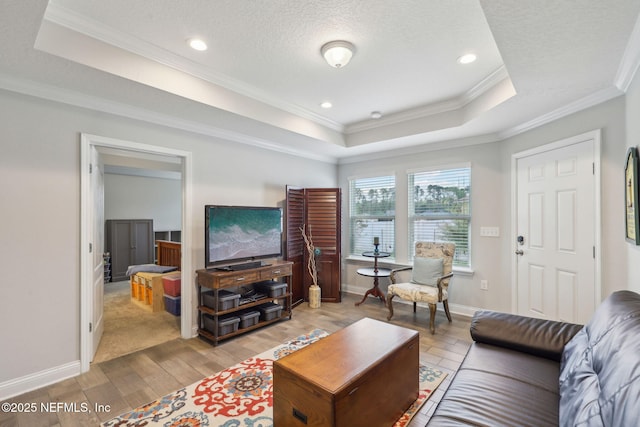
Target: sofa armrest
<point>543,338</point>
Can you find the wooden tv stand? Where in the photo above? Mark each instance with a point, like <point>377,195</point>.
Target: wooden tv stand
<point>217,280</point>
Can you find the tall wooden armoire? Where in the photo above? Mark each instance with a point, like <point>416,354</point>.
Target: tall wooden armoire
<point>319,209</point>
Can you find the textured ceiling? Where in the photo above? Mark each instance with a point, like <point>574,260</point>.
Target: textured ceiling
<point>406,55</point>
<point>262,79</point>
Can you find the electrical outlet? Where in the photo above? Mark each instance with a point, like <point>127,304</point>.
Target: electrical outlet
<point>484,285</point>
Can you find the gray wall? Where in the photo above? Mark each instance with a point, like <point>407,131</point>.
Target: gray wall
<point>631,262</point>
<point>486,176</point>
<point>610,118</point>
<point>40,226</point>
<point>40,219</point>
<point>491,204</point>
<point>140,197</point>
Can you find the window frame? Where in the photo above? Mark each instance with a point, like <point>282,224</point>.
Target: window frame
<point>411,216</point>
<point>353,251</point>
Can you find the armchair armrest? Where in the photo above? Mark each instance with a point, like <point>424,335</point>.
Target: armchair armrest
<point>543,338</point>
<point>392,276</point>
<point>446,276</point>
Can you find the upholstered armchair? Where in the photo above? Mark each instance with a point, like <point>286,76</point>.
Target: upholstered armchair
<point>429,281</point>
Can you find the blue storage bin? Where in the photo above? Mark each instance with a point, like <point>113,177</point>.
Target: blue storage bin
<point>172,304</point>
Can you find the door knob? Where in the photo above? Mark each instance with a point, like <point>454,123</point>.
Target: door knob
<point>519,252</point>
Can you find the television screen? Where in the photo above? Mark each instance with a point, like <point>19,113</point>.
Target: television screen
<point>238,233</point>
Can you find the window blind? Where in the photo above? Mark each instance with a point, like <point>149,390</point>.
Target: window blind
<point>440,210</point>
<point>372,205</point>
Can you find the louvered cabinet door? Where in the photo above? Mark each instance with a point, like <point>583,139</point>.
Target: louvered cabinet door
<point>323,219</point>
<point>294,244</point>
<point>320,210</point>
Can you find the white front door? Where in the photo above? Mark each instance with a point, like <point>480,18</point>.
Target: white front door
<point>556,231</point>
<point>97,245</point>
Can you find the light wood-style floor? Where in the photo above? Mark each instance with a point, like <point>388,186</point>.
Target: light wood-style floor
<point>127,382</point>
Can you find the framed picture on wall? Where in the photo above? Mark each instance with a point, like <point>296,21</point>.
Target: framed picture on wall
<point>632,228</point>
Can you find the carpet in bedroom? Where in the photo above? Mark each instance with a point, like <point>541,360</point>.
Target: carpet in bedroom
<point>128,327</point>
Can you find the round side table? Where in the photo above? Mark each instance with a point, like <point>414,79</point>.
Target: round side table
<point>376,273</point>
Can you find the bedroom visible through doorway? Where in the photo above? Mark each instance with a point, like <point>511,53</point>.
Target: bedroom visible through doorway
<point>93,223</point>
<point>149,191</point>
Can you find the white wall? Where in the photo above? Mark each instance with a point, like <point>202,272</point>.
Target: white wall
<point>633,139</point>
<point>491,204</point>
<point>140,197</point>
<point>40,218</point>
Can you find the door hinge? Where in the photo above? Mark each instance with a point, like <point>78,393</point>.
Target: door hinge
<point>90,247</point>
<point>594,252</point>
<point>90,327</point>
<point>90,168</point>
<point>593,168</point>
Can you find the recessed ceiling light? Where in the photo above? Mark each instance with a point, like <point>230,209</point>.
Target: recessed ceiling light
<point>467,59</point>
<point>326,104</point>
<point>197,44</point>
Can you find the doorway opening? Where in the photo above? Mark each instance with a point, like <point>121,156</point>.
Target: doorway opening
<point>97,154</point>
<point>142,203</point>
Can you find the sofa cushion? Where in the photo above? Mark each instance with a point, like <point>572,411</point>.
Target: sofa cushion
<point>600,370</point>
<point>544,338</point>
<point>499,387</point>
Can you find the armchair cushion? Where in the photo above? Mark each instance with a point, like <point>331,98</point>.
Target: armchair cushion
<point>427,271</point>
<point>416,293</point>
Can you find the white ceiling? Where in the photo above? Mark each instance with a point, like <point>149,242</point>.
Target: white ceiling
<point>262,79</point>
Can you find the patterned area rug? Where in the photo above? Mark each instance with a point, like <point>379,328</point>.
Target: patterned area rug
<point>242,395</point>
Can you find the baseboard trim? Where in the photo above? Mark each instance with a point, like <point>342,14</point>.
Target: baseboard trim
<point>462,310</point>
<point>27,383</point>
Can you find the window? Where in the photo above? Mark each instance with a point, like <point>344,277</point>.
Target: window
<point>440,210</point>
<point>372,209</point>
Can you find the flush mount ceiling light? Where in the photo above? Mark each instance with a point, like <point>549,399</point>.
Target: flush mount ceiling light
<point>197,44</point>
<point>467,59</point>
<point>338,53</point>
<point>326,104</point>
<point>376,115</point>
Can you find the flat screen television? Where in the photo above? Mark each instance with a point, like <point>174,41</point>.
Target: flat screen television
<point>236,234</point>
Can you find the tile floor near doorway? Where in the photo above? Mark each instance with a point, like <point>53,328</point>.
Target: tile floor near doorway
<point>129,381</point>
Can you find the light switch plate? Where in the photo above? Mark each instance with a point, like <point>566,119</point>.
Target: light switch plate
<point>490,231</point>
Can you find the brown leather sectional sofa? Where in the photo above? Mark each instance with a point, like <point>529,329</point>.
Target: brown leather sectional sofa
<point>522,371</point>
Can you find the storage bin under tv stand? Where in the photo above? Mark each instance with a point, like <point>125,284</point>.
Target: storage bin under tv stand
<point>220,279</point>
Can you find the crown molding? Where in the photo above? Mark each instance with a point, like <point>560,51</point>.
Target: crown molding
<point>574,107</point>
<point>421,148</point>
<point>67,18</point>
<point>630,60</point>
<point>76,99</point>
<point>449,105</point>
<point>405,115</point>
<point>485,85</point>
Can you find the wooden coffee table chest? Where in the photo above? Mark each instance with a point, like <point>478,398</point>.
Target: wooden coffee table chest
<point>363,375</point>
